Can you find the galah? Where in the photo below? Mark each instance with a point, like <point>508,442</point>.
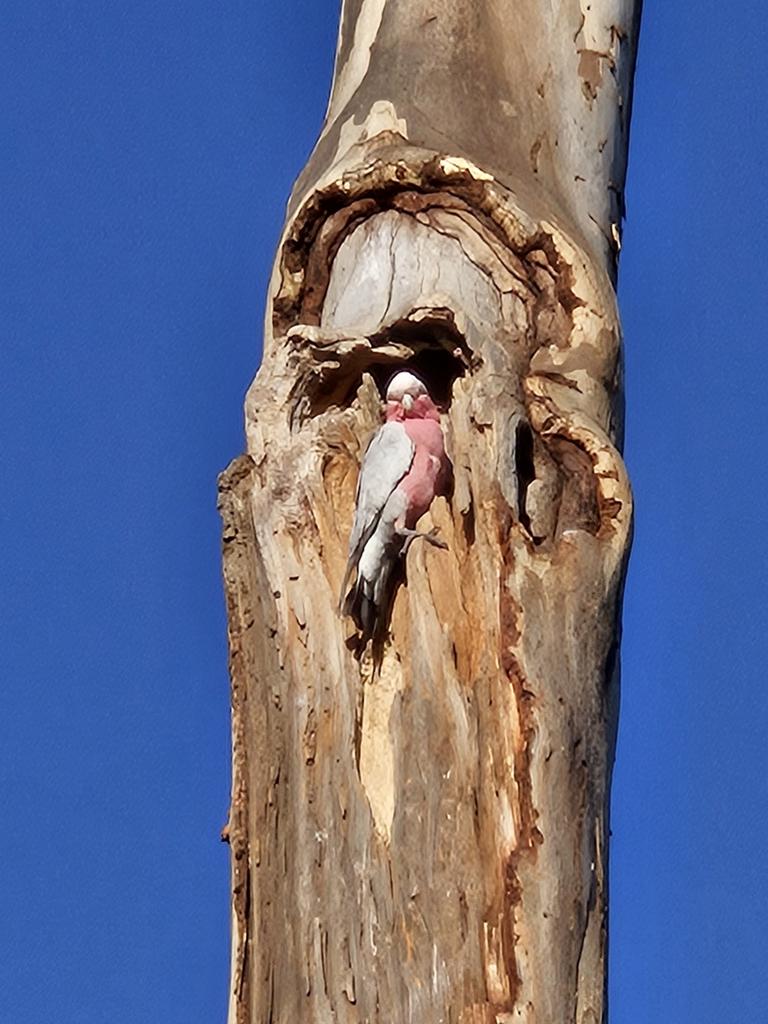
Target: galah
<point>404,467</point>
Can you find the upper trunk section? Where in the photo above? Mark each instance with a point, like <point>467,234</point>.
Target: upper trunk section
<point>537,94</point>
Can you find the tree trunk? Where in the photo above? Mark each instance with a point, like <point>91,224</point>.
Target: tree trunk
<point>425,840</point>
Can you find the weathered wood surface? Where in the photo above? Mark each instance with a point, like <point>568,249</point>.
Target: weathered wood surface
<point>428,844</point>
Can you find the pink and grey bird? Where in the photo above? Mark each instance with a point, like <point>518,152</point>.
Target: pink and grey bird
<point>404,467</point>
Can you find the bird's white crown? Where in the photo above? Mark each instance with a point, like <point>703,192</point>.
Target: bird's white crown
<point>405,383</point>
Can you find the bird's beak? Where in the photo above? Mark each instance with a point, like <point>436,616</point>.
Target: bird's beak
<point>407,402</point>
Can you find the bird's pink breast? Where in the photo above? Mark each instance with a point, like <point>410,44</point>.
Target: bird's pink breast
<point>425,476</point>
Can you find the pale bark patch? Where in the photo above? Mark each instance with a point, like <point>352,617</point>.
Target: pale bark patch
<point>347,78</point>
<point>377,758</point>
<point>381,118</point>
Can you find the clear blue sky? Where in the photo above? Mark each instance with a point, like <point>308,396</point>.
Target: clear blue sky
<point>147,152</point>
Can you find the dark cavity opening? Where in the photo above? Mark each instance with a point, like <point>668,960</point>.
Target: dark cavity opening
<point>525,469</point>
<point>435,360</point>
<point>435,351</point>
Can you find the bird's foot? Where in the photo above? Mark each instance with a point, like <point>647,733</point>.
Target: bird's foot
<point>412,535</point>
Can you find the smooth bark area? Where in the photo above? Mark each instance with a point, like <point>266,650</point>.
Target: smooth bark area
<point>426,842</point>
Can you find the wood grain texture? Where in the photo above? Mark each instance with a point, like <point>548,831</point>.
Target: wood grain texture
<point>426,842</point>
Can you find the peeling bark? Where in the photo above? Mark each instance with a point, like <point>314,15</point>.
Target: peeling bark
<point>426,842</point>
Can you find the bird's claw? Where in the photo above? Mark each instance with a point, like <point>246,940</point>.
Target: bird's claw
<point>434,539</point>
<point>412,535</point>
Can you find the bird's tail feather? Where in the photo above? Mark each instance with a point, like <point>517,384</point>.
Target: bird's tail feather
<point>362,609</point>
<point>368,600</point>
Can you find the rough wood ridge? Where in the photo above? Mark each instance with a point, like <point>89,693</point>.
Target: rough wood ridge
<point>426,843</point>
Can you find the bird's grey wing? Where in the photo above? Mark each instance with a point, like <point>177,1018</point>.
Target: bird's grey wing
<point>386,461</point>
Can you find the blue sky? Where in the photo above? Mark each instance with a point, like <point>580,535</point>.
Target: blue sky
<point>148,150</point>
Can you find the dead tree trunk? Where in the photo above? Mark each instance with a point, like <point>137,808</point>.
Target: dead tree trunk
<point>427,844</point>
